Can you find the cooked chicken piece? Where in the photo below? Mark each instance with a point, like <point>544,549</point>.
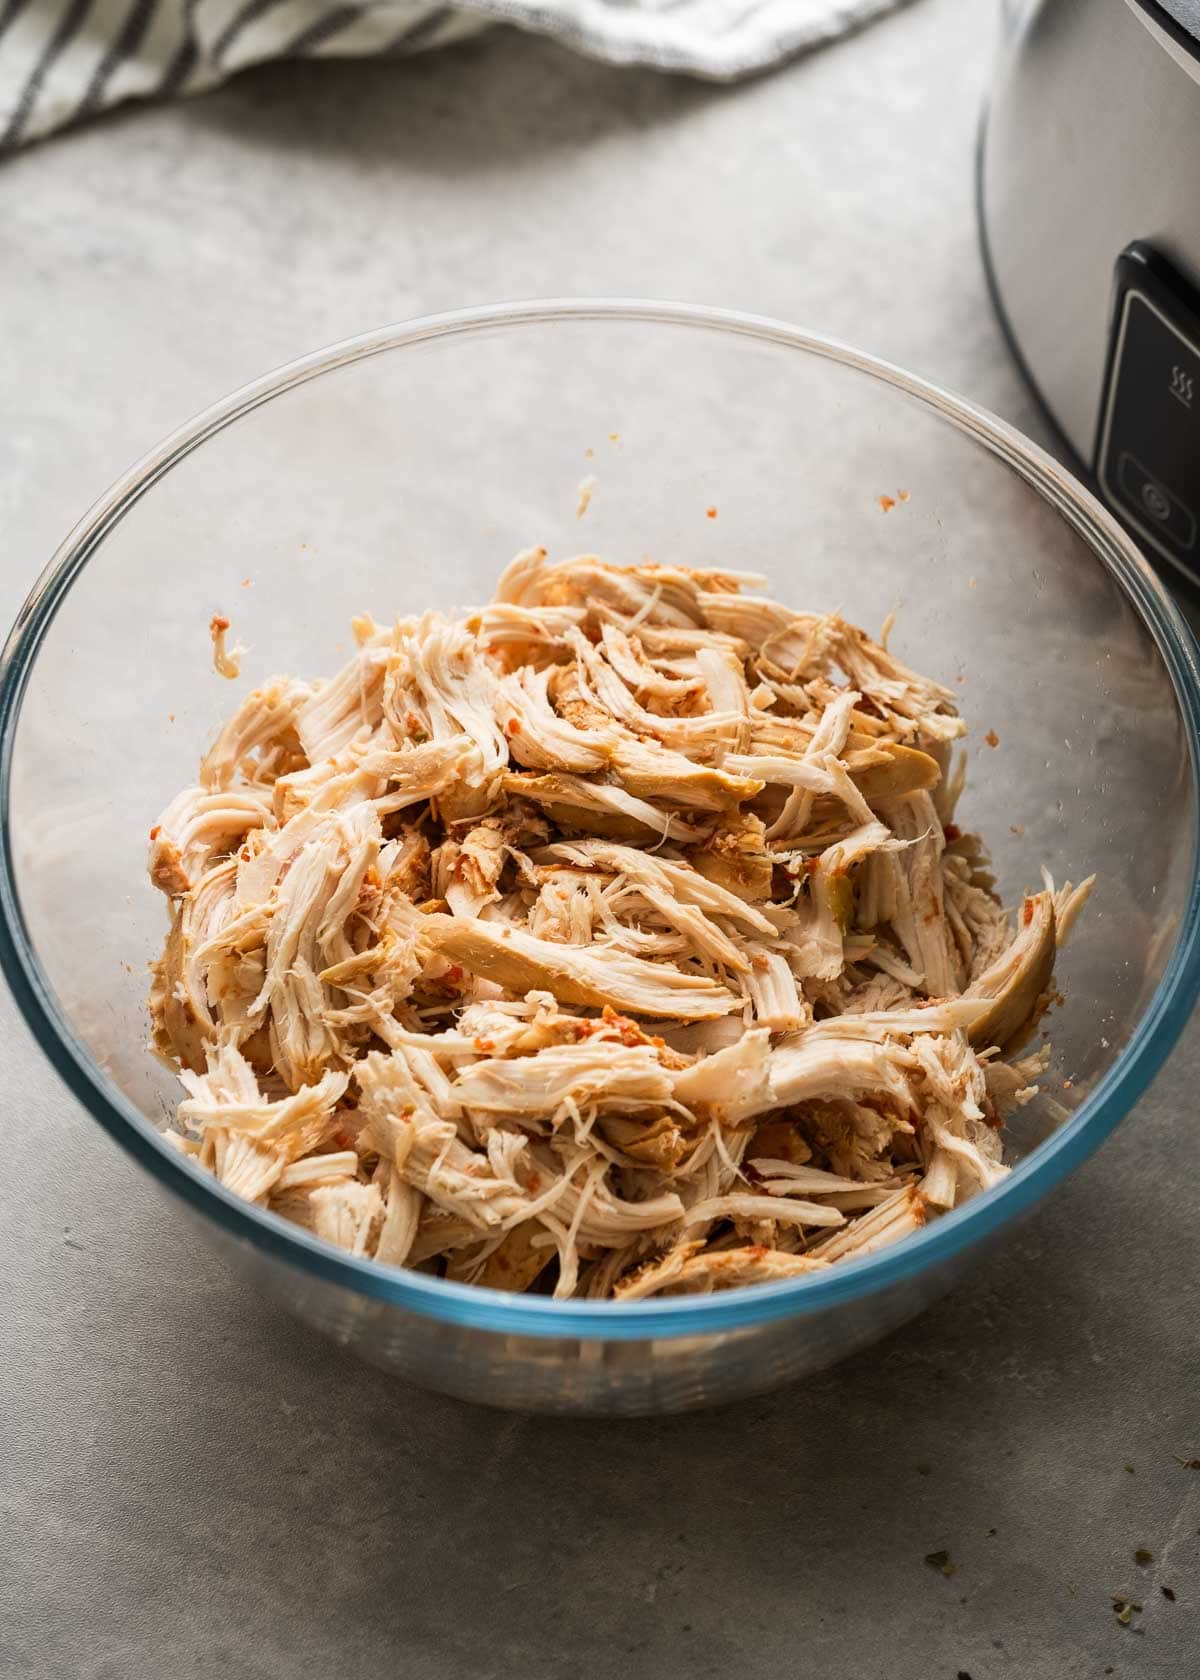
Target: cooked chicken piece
<point>736,858</point>
<point>538,738</point>
<point>652,771</point>
<point>817,1064</point>
<point>392,779</point>
<point>307,910</point>
<point>253,1139</point>
<point>672,875</point>
<point>404,864</point>
<point>311,1170</point>
<point>180,1009</point>
<point>457,688</point>
<point>661,642</point>
<point>564,1079</point>
<point>519,1260</point>
<point>624,654</point>
<point>1010,1085</point>
<point>702,735</point>
<point>762,1207</point>
<point>332,715</point>
<point>618,931</point>
<point>1015,982</point>
<point>901,1215</point>
<point>660,1142</point>
<point>686,1271</point>
<point>897,771</point>
<point>770,989</point>
<point>197,827</point>
<point>596,977</point>
<point>573,802</point>
<point>896,691</point>
<point>522,634</point>
<point>789,1178</point>
<point>476,869</point>
<point>264,724</point>
<point>1068,902</point>
<point>918,892</point>
<point>780,1140</point>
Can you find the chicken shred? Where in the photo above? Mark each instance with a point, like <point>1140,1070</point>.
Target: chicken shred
<point>614,939</point>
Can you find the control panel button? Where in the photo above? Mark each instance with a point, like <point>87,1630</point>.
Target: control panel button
<point>1148,494</point>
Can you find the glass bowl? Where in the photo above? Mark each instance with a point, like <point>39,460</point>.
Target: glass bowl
<point>402,470</point>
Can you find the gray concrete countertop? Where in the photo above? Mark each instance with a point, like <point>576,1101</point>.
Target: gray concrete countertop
<point>191,1484</point>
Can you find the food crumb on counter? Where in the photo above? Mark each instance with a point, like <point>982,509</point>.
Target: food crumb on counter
<point>1143,1557</point>
<point>227,661</point>
<point>941,1560</point>
<point>587,489</point>
<point>1168,1593</point>
<point>992,739</point>
<point>904,495</point>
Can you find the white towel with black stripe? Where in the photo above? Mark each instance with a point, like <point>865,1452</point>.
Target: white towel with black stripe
<point>62,60</point>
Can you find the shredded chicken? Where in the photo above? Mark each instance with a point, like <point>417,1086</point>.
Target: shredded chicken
<point>615,939</point>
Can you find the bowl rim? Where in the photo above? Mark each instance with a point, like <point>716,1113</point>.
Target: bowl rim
<point>471,1306</point>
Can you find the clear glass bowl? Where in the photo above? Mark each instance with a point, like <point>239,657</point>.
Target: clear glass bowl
<point>402,470</point>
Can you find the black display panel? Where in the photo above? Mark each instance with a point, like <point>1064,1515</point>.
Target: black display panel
<point>1148,444</point>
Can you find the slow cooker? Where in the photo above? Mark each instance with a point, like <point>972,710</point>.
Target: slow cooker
<point>1089,213</point>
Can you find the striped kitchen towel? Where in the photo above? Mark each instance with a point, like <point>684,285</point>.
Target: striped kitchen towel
<point>63,60</point>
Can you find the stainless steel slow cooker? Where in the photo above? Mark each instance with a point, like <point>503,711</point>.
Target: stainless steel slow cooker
<point>1089,208</point>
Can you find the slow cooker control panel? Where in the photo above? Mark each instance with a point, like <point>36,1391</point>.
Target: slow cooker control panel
<point>1148,443</point>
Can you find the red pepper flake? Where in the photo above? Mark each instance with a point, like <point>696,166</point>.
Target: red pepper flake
<point>454,974</point>
<point>218,623</point>
<point>992,739</point>
<point>710,513</point>
<point>512,727</point>
<point>887,503</point>
<point>485,1046</point>
<point>155,832</point>
<point>952,831</point>
<point>1027,912</point>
